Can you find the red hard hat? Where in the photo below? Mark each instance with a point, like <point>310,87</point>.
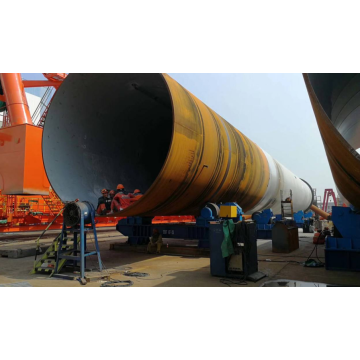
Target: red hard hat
<point>120,187</point>
<point>136,191</point>
<point>104,191</point>
<point>112,192</point>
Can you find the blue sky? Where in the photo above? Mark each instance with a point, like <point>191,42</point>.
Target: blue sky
<point>34,91</point>
<point>273,110</point>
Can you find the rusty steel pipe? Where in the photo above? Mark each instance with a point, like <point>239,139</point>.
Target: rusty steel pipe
<point>320,212</point>
<point>335,99</point>
<point>15,98</point>
<point>147,132</point>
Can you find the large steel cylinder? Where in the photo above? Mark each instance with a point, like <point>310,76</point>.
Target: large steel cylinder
<point>335,99</point>
<point>146,131</point>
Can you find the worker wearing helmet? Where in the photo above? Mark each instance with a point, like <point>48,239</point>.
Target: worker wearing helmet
<point>121,189</point>
<point>104,203</point>
<point>120,202</point>
<point>112,195</point>
<point>156,239</point>
<point>135,196</point>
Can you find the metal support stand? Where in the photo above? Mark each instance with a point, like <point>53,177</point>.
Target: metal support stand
<point>73,254</point>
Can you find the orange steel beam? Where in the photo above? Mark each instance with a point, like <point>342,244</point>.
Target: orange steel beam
<point>41,83</point>
<point>101,222</point>
<point>56,226</point>
<point>15,98</point>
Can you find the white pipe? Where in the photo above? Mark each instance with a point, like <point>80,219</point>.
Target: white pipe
<point>281,181</point>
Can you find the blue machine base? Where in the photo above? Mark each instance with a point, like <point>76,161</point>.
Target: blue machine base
<point>342,254</point>
<point>264,231</point>
<point>139,234</point>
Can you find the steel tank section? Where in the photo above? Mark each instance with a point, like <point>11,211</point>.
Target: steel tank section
<point>146,131</point>
<point>335,99</point>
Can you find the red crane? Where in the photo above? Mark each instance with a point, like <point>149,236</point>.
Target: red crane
<point>327,194</point>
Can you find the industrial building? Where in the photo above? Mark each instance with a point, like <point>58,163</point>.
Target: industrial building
<point>185,199</point>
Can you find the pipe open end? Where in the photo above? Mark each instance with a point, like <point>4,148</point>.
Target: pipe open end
<point>107,129</point>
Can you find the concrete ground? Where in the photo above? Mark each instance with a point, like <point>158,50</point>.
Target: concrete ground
<point>165,270</point>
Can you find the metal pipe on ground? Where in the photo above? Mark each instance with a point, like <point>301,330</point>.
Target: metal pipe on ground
<point>148,132</point>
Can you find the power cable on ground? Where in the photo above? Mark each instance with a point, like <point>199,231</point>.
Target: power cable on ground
<point>230,282</point>
<point>136,274</point>
<point>112,282</point>
<point>117,283</point>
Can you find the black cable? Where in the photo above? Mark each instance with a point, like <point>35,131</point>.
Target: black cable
<point>230,282</point>
<point>46,229</point>
<point>117,283</point>
<point>136,274</point>
<point>318,256</point>
<point>113,282</point>
<point>316,253</point>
